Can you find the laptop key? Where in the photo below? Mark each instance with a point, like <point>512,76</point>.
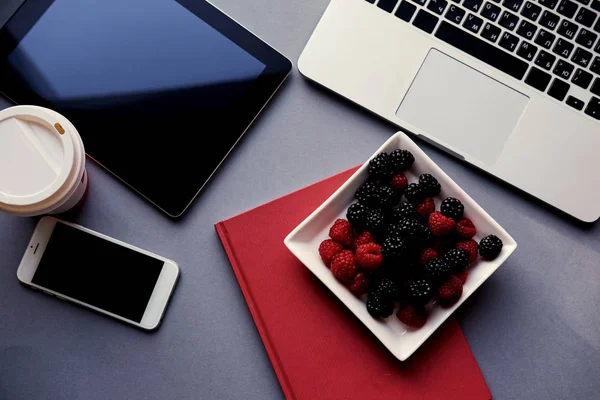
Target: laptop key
<point>559,89</point>
<point>595,68</point>
<point>596,87</point>
<point>585,2</point>
<point>563,69</point>
<point>586,38</point>
<point>508,41</point>
<point>549,20</point>
<point>575,103</point>
<point>538,79</point>
<point>387,5</point>
<point>545,60</point>
<point>527,51</point>
<point>567,8</point>
<point>473,5</point>
<point>455,14</point>
<point>405,11</point>
<point>549,3</point>
<point>437,6</point>
<point>420,2</point>
<point>563,48</point>
<point>481,50</point>
<point>545,39</point>
<point>491,32</point>
<point>473,23</point>
<point>531,11</point>
<point>597,26</point>
<point>526,29</point>
<point>513,5</point>
<point>567,29</point>
<point>490,11</point>
<point>582,78</point>
<point>596,5</point>
<point>508,20</point>
<point>425,21</point>
<point>593,108</point>
<point>586,17</point>
<point>582,57</point>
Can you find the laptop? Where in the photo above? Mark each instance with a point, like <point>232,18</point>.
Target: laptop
<point>510,86</point>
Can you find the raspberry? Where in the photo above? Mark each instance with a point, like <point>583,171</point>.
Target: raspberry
<point>453,208</point>
<point>379,307</point>
<point>328,249</point>
<point>449,292</point>
<point>490,246</point>
<point>413,317</point>
<point>341,231</point>
<point>465,229</point>
<point>401,160</point>
<point>414,193</point>
<point>431,186</point>
<point>364,238</point>
<point>425,208</point>
<point>463,276</point>
<point>393,248</point>
<point>403,210</point>
<point>343,266</point>
<point>399,182</point>
<point>360,284</point>
<point>437,270</point>
<point>368,256</point>
<point>471,247</point>
<point>426,255</point>
<point>368,193</point>
<point>420,292</point>
<point>357,215</point>
<point>439,224</point>
<point>379,166</point>
<point>458,259</point>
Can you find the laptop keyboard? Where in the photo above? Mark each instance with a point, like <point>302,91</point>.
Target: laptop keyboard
<point>551,45</point>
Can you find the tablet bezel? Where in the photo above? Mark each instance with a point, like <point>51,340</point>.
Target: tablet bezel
<point>277,68</point>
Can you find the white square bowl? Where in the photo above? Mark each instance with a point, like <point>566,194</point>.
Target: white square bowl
<point>304,242</point>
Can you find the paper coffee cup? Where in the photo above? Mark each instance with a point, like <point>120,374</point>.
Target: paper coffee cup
<point>42,162</point>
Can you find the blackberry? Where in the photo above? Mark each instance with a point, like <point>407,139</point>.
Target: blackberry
<point>424,235</point>
<point>490,246</point>
<point>375,221</point>
<point>414,193</point>
<point>407,228</point>
<point>453,208</point>
<point>401,160</point>
<point>403,210</point>
<point>368,193</point>
<point>431,186</point>
<point>420,292</point>
<point>379,167</point>
<point>386,196</point>
<point>457,259</point>
<point>378,306</point>
<point>437,270</point>
<point>357,215</point>
<point>393,248</point>
<point>387,289</point>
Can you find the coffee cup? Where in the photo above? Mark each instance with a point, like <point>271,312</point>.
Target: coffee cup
<point>42,162</point>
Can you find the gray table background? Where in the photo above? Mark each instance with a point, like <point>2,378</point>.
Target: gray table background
<point>534,327</point>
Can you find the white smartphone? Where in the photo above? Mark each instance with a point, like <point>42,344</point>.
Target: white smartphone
<point>93,270</point>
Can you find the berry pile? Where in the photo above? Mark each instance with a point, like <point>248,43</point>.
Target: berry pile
<point>396,248</point>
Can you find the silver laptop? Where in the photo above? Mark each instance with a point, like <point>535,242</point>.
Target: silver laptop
<point>510,86</point>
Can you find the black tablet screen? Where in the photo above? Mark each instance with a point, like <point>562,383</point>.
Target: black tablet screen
<point>158,94</point>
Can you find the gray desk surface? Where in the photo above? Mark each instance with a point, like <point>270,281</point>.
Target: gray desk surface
<point>534,327</point>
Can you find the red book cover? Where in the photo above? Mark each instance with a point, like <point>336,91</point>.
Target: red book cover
<point>319,349</point>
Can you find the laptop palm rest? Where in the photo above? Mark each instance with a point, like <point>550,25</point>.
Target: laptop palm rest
<point>462,107</point>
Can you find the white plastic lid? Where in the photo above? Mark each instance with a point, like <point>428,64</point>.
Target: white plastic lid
<point>37,155</point>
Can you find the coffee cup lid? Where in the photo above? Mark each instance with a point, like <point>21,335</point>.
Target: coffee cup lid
<point>37,154</point>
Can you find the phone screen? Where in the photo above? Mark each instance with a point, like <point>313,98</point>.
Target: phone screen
<point>98,272</point>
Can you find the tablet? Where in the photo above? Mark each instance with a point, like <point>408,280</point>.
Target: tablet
<point>160,90</point>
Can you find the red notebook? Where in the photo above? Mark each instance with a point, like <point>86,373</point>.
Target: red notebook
<point>320,350</point>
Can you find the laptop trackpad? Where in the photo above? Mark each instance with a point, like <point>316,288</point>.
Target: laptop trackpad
<point>462,107</point>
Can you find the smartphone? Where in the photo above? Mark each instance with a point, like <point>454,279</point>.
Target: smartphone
<point>93,270</point>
